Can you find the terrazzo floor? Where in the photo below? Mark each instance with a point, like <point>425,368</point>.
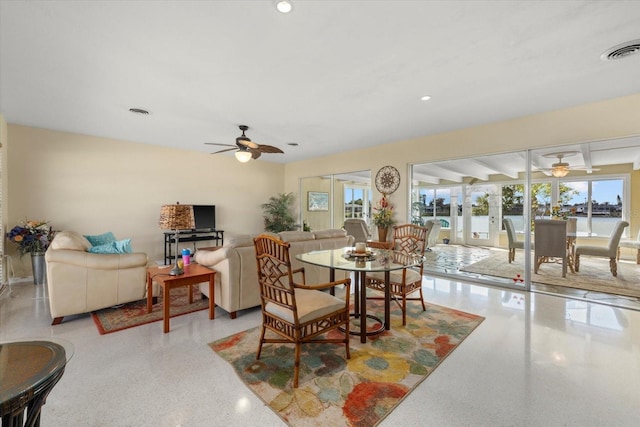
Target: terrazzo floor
<point>537,360</point>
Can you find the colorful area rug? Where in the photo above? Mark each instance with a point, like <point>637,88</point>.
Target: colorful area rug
<point>360,391</point>
<point>594,274</point>
<point>133,314</point>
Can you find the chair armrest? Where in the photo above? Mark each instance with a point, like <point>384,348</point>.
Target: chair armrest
<point>346,282</point>
<point>210,258</point>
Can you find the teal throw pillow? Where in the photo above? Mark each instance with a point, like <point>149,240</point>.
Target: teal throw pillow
<point>117,247</point>
<point>101,239</point>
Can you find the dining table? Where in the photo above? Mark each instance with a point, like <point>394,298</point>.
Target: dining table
<point>370,261</point>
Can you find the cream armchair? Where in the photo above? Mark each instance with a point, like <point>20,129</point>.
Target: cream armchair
<point>80,282</point>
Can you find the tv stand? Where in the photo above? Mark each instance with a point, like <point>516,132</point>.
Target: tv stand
<point>194,236</point>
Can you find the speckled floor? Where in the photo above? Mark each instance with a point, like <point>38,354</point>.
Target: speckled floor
<point>537,360</point>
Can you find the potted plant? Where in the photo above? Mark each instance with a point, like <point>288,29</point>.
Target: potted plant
<point>278,213</point>
<point>383,217</point>
<point>33,237</point>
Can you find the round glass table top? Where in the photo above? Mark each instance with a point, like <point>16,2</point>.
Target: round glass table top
<point>372,260</point>
<point>27,364</point>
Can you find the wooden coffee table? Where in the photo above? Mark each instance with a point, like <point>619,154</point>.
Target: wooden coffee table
<point>193,274</point>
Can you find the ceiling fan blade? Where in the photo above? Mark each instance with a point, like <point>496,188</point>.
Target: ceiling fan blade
<point>225,150</point>
<point>255,154</point>
<point>269,149</point>
<point>246,142</point>
<point>222,145</point>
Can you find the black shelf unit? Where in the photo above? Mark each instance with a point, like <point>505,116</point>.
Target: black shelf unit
<point>184,236</point>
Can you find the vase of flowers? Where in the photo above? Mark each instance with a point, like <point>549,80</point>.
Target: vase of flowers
<point>33,237</point>
<point>383,217</point>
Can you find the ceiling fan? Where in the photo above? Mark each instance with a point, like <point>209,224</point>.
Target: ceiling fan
<point>246,149</point>
<point>561,169</point>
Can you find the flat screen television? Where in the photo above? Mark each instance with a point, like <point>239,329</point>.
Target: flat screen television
<point>205,216</point>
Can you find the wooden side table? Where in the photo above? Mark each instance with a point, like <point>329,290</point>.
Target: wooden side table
<point>193,274</point>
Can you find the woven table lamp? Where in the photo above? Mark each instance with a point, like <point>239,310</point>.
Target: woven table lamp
<point>176,217</point>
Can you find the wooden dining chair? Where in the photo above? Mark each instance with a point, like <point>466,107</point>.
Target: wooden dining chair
<point>407,239</point>
<point>296,313</point>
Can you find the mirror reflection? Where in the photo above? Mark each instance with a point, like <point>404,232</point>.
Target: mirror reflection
<point>327,201</point>
<point>590,186</point>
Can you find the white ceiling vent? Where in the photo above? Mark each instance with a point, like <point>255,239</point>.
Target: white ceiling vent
<point>621,51</point>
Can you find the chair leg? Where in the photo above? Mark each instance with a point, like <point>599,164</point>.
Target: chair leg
<point>638,257</point>
<point>296,366</point>
<point>404,309</point>
<point>260,343</point>
<point>614,266</point>
<point>577,263</point>
<point>424,307</point>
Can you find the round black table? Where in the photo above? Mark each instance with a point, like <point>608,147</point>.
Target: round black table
<point>28,372</point>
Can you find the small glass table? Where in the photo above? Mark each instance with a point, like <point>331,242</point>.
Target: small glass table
<point>374,260</point>
<point>28,372</point>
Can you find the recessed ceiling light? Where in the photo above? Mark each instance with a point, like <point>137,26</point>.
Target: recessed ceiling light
<point>293,144</point>
<point>139,111</point>
<point>425,98</point>
<point>284,6</point>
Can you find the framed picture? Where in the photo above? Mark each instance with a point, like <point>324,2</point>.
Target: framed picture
<point>318,201</point>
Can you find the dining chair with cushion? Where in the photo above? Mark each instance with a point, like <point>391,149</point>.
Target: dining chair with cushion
<point>407,239</point>
<point>433,227</point>
<point>357,228</point>
<point>610,251</point>
<point>294,312</point>
<point>633,244</point>
<point>551,242</point>
<point>514,243</point>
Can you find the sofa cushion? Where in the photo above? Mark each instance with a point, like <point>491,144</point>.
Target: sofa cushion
<point>70,240</point>
<point>101,239</point>
<point>117,247</point>
<point>239,241</point>
<point>295,236</point>
<point>327,234</point>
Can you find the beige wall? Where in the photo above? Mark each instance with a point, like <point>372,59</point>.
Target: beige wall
<point>3,188</point>
<point>93,185</point>
<point>614,118</point>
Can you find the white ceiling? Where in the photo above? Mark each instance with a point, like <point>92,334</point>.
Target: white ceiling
<point>331,75</point>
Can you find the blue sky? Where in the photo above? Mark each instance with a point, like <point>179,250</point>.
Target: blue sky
<point>603,191</point>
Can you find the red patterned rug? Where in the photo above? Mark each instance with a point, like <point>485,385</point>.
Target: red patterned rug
<point>361,391</point>
<point>133,314</point>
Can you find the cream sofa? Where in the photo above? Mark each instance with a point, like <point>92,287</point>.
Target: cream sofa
<point>236,285</point>
<point>80,282</point>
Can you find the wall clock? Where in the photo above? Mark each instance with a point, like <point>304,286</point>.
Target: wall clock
<point>387,179</point>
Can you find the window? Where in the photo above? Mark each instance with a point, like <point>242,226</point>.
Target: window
<point>431,203</point>
<point>356,202</point>
<point>598,203</point>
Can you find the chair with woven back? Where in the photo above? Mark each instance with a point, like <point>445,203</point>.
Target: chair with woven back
<point>295,312</point>
<point>407,239</point>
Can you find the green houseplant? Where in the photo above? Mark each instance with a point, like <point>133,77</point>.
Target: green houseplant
<point>278,213</point>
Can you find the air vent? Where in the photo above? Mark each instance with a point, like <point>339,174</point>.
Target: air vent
<point>139,111</point>
<point>621,51</point>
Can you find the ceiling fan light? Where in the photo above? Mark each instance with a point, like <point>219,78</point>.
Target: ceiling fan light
<point>243,156</point>
<point>560,170</point>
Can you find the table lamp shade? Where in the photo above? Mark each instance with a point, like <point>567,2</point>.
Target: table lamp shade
<point>176,217</point>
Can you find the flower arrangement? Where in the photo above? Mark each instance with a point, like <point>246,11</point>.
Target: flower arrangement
<point>383,215</point>
<point>557,212</point>
<point>32,236</point>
